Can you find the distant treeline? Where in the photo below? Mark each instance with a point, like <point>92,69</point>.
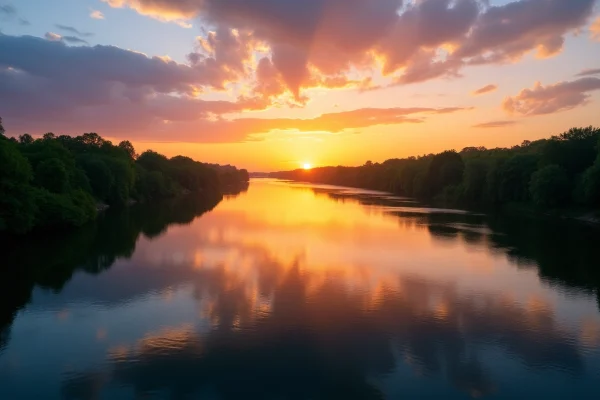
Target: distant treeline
<point>61,181</point>
<point>555,173</point>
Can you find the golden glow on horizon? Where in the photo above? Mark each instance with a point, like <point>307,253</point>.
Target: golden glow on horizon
<point>307,166</point>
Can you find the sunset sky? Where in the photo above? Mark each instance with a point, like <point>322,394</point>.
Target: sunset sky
<point>276,84</point>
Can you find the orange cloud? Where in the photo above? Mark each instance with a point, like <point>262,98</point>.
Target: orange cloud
<point>244,129</point>
<point>163,10</point>
<point>184,125</point>
<point>561,96</point>
<point>595,29</point>
<point>495,124</point>
<point>361,118</point>
<point>54,37</point>
<point>485,89</point>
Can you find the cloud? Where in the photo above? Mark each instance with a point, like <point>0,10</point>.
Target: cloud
<point>561,96</point>
<point>118,92</point>
<point>252,129</point>
<point>75,88</point>
<point>177,11</point>
<point>347,120</point>
<point>486,89</point>
<point>506,33</point>
<point>266,53</point>
<point>335,37</point>
<point>8,10</point>
<point>55,37</point>
<point>588,72</point>
<point>74,40</point>
<point>495,124</point>
<point>223,57</point>
<point>595,29</point>
<point>73,31</point>
<point>95,14</point>
<point>111,65</point>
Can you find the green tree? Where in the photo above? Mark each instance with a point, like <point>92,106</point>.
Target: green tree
<point>474,182</point>
<point>51,174</point>
<point>63,210</point>
<point>514,176</point>
<point>71,173</point>
<point>17,207</point>
<point>128,148</point>
<point>123,180</point>
<point>25,139</point>
<point>100,176</point>
<point>445,169</point>
<point>549,187</point>
<point>590,183</point>
<point>152,161</point>
<point>573,150</point>
<point>91,140</point>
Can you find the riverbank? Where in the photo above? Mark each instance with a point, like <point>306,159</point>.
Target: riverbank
<point>523,210</point>
<point>57,182</point>
<point>590,217</point>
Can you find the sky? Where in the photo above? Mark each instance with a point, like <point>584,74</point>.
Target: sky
<point>273,85</point>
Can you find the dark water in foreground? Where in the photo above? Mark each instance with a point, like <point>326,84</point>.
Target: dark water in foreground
<point>297,292</point>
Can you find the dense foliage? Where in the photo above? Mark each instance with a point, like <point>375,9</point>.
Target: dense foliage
<point>563,171</point>
<point>61,181</point>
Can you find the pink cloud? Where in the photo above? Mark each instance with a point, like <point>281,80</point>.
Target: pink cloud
<point>123,93</point>
<point>335,36</point>
<point>558,97</point>
<point>301,45</point>
<point>95,14</point>
<point>589,72</point>
<point>486,89</point>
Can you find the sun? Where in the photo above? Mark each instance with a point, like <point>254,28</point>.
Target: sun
<point>307,166</point>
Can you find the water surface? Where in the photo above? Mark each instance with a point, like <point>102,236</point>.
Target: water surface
<point>291,291</point>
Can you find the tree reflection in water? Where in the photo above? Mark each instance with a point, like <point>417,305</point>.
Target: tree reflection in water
<point>283,329</point>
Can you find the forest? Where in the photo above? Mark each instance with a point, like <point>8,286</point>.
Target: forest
<point>63,181</point>
<point>555,174</point>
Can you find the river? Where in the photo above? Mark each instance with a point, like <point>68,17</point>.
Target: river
<point>293,291</point>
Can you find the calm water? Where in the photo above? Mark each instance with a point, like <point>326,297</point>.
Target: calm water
<point>302,292</point>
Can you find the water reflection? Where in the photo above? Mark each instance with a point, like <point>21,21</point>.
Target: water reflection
<point>51,260</point>
<point>563,253</point>
<point>306,293</point>
<point>325,340</point>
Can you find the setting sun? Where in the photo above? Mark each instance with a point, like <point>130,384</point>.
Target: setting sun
<point>306,166</point>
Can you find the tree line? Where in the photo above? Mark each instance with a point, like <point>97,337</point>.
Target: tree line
<point>62,181</point>
<point>548,174</point>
